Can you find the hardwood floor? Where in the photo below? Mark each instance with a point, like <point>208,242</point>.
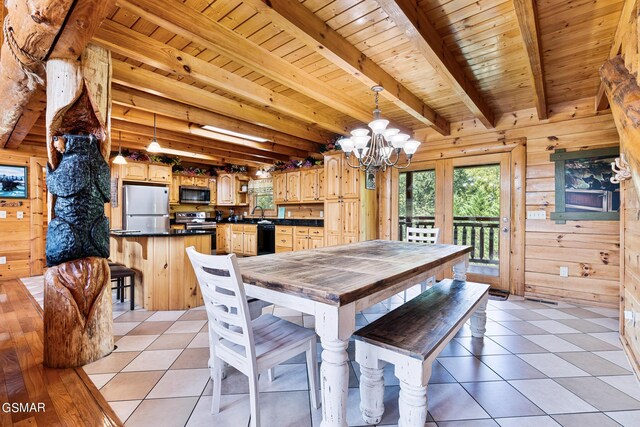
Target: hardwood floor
<point>55,397</point>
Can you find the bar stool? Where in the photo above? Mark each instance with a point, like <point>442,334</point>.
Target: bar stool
<point>119,273</point>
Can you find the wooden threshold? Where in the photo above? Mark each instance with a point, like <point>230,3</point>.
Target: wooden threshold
<point>68,396</point>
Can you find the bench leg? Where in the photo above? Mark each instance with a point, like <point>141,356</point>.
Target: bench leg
<point>412,405</point>
<point>371,387</point>
<point>479,320</point>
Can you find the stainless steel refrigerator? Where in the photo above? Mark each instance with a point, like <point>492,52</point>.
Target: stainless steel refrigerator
<point>145,208</point>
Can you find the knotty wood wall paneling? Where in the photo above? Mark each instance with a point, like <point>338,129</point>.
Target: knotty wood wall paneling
<point>15,233</point>
<point>591,249</point>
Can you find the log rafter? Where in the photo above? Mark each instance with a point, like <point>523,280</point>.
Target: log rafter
<point>184,21</point>
<point>408,15</point>
<point>527,16</point>
<point>147,81</point>
<point>294,18</point>
<point>143,101</point>
<point>130,43</point>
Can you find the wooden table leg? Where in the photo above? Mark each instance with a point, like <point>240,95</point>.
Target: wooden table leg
<point>460,269</point>
<point>412,403</point>
<point>335,326</point>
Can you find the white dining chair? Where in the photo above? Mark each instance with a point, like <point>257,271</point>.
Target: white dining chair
<point>252,347</point>
<point>423,235</point>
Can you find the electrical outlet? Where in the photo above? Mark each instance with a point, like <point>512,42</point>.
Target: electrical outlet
<point>564,271</point>
<point>3,214</point>
<point>3,259</point>
<point>536,215</point>
<point>20,215</point>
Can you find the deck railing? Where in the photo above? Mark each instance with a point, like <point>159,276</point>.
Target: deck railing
<point>482,233</point>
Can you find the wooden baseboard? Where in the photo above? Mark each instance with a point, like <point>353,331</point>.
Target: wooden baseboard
<point>635,364</point>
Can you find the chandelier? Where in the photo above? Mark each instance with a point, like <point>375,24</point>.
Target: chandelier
<point>382,148</point>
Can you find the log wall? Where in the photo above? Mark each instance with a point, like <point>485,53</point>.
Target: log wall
<point>591,249</point>
<point>17,241</point>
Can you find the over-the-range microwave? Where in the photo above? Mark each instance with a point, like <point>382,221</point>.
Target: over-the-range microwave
<point>195,195</point>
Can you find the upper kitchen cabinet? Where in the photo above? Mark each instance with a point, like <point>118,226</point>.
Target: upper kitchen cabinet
<point>233,190</point>
<point>139,171</point>
<point>312,185</point>
<point>300,186</point>
<point>342,181</point>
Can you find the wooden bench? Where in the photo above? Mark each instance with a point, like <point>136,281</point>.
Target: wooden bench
<point>411,337</point>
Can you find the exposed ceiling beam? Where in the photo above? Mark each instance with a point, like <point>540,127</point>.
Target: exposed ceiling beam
<point>187,148</point>
<point>184,21</point>
<point>30,114</point>
<point>154,83</point>
<point>297,20</point>
<point>181,128</point>
<point>628,13</point>
<point>527,15</point>
<point>166,135</point>
<point>132,44</point>
<point>408,15</point>
<point>147,102</point>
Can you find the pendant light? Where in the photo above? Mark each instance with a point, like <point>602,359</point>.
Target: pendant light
<point>119,159</point>
<point>154,147</point>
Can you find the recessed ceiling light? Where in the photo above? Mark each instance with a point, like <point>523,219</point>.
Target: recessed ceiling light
<point>232,133</point>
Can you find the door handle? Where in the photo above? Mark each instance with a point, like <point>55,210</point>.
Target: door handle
<point>505,229</point>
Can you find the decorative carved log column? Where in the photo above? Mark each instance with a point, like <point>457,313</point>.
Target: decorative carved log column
<point>77,303</point>
<point>624,97</point>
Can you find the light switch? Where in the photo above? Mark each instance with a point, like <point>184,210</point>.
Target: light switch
<point>3,214</point>
<point>564,271</point>
<point>3,259</point>
<point>20,215</point>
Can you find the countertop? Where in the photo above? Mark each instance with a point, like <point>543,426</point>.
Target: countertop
<point>170,233</point>
<point>281,221</point>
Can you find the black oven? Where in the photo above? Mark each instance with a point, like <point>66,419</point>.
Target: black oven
<point>195,195</point>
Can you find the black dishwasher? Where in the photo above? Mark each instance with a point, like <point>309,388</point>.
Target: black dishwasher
<point>266,239</point>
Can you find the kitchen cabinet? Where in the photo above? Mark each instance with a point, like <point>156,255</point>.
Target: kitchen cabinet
<point>201,181</point>
<point>308,238</point>
<point>284,239</point>
<point>139,171</point>
<point>244,239</point>
<point>232,190</point>
<point>213,191</point>
<point>312,185</point>
<point>349,209</point>
<point>174,190</point>
<point>300,186</point>
<point>223,238</point>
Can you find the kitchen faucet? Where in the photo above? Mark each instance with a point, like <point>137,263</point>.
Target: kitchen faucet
<point>261,210</point>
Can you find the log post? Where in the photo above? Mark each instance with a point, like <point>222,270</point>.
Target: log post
<point>623,93</point>
<point>77,303</point>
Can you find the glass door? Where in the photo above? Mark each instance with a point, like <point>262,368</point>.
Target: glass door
<point>478,214</point>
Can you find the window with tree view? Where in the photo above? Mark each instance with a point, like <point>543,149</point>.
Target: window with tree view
<point>417,200</point>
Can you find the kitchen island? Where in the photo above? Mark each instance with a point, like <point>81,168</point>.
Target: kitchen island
<point>165,279</point>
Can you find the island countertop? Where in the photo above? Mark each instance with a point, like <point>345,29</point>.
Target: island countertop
<point>169,233</point>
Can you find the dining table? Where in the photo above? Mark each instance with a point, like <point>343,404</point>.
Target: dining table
<point>334,284</point>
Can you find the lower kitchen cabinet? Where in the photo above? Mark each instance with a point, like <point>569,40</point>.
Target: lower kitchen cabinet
<point>284,238</point>
<point>244,239</point>
<point>223,238</point>
<point>308,238</point>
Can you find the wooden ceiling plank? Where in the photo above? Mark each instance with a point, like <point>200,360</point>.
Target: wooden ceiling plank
<point>147,102</point>
<point>180,127</point>
<point>183,20</point>
<point>408,15</point>
<point>124,41</point>
<point>148,81</point>
<point>297,20</point>
<point>628,13</point>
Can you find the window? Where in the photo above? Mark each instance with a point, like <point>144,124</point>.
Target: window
<point>261,194</point>
<point>417,200</point>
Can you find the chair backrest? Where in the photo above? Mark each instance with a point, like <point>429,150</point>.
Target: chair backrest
<point>224,299</point>
<point>423,235</point>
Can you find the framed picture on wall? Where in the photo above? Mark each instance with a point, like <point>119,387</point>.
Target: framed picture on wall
<point>584,190</point>
<point>370,181</point>
<point>13,182</point>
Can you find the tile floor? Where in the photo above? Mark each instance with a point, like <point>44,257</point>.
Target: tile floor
<point>539,365</point>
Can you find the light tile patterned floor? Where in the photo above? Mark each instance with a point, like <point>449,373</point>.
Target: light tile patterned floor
<point>539,365</point>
